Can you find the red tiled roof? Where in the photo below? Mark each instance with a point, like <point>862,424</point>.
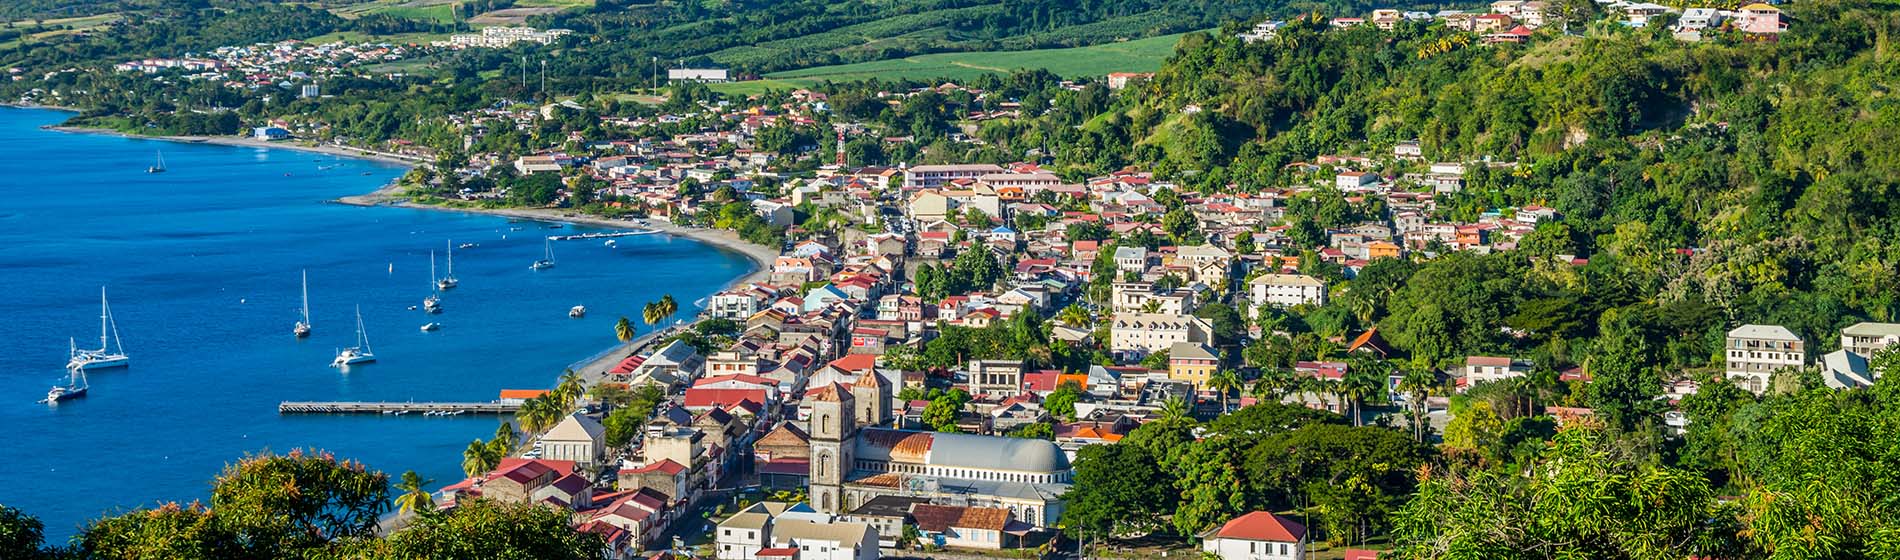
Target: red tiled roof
<point>699,397</point>
<point>938,519</point>
<point>1262,526</point>
<point>668,466</point>
<point>856,362</point>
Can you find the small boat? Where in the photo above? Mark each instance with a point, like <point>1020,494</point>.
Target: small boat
<point>302,330</point>
<point>107,356</point>
<point>556,226</point>
<point>577,311</point>
<point>448,281</point>
<point>610,244</point>
<point>547,258</point>
<point>468,246</point>
<point>159,166</point>
<point>356,354</point>
<point>431,327</point>
<point>74,388</point>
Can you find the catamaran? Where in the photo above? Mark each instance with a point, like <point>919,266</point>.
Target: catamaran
<point>356,354</point>
<point>107,356</point>
<point>74,388</point>
<point>448,281</point>
<point>433,303</point>
<point>159,166</point>
<point>302,330</point>
<point>547,258</point>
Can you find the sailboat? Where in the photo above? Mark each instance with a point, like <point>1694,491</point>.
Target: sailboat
<point>74,388</point>
<point>433,303</point>
<point>302,330</point>
<point>447,282</point>
<point>159,166</point>
<point>547,259</point>
<point>356,354</point>
<point>107,356</point>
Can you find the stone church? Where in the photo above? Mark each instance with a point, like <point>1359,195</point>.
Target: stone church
<point>854,459</point>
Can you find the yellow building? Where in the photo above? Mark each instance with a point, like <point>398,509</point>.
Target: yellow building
<point>1192,362</point>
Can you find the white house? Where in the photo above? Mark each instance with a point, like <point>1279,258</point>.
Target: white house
<point>1868,339</point>
<point>1754,352</point>
<point>1484,369</point>
<point>578,438</point>
<point>1256,536</point>
<point>1354,180</point>
<point>1149,332</point>
<point>1287,290</point>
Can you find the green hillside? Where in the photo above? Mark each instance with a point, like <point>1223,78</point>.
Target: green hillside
<point>1143,55</point>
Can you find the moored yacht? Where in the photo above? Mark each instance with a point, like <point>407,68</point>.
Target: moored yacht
<point>108,355</point>
<point>74,388</point>
<point>356,354</point>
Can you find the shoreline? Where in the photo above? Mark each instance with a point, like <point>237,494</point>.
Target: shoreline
<point>248,142</point>
<point>593,368</point>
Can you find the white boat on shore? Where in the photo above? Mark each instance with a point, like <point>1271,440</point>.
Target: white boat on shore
<point>108,355</point>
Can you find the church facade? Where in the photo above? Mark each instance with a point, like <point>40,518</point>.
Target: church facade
<point>853,460</point>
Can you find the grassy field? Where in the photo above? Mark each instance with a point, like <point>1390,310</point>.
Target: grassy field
<point>70,26</point>
<point>1143,55</point>
<point>360,37</point>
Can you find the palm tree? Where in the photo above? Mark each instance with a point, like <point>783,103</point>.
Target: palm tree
<point>623,330</point>
<point>505,437</point>
<point>569,389</point>
<point>651,313</point>
<point>1223,382</point>
<point>475,459</point>
<point>1174,411</point>
<point>667,306</point>
<point>1419,385</point>
<point>1074,316</point>
<point>1274,384</point>
<point>414,498</point>
<point>1359,385</point>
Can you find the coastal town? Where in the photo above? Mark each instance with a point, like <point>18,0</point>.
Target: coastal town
<point>957,344</point>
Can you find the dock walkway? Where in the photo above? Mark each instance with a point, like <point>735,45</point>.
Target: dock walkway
<point>422,408</point>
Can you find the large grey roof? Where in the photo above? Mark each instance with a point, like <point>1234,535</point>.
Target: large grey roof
<point>1769,332</point>
<point>967,451</point>
<point>1872,329</point>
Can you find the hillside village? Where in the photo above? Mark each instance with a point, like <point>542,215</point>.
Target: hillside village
<point>934,344</point>
<point>849,376</point>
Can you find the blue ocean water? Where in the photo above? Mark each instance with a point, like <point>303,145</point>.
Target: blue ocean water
<point>202,264</point>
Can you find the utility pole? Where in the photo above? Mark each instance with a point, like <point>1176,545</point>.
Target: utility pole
<point>524,73</point>
<point>653,82</point>
<point>544,79</point>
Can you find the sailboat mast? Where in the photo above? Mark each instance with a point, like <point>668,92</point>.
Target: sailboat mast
<point>104,311</point>
<point>431,270</point>
<point>450,244</point>
<point>306,298</point>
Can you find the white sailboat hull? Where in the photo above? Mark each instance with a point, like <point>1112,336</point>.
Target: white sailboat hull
<point>100,362</point>
<point>352,356</point>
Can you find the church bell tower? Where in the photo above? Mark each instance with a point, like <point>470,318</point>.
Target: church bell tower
<point>833,445</point>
